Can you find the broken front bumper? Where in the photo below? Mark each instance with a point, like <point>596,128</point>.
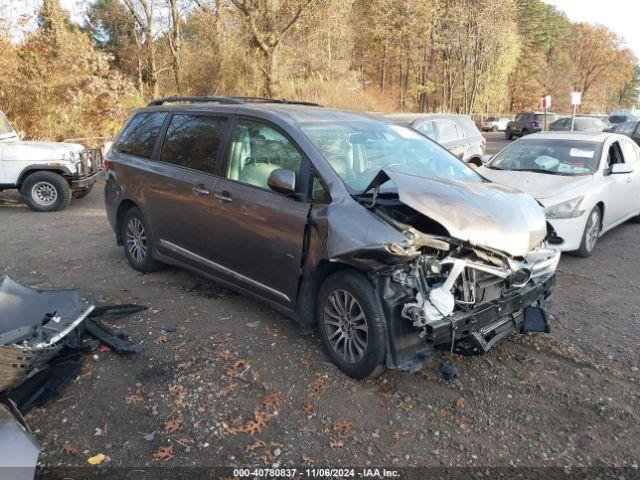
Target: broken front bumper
<point>86,181</point>
<point>484,326</point>
<point>489,316</point>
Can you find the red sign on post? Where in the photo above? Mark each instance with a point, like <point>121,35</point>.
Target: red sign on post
<point>545,102</point>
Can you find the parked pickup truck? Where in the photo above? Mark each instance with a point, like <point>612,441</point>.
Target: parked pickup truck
<point>47,174</point>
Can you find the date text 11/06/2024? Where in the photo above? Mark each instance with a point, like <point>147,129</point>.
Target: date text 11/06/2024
<point>316,472</point>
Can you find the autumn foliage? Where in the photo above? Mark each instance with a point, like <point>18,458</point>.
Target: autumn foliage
<point>64,78</point>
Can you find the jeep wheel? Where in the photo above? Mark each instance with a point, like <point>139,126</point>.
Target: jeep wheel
<point>138,242</point>
<point>351,325</point>
<point>46,192</point>
<point>82,192</point>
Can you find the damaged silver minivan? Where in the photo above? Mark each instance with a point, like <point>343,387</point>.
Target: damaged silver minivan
<point>393,247</point>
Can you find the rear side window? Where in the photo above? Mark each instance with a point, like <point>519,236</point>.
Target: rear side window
<point>467,127</point>
<point>427,129</point>
<point>193,141</point>
<point>140,134</point>
<point>447,131</point>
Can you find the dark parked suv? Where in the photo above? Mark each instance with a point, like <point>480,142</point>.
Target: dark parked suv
<point>374,233</point>
<point>457,133</point>
<point>528,122</point>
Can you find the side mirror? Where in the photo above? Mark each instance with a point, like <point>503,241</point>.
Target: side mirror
<point>620,168</point>
<point>282,181</point>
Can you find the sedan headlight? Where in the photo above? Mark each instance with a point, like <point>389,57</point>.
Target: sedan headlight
<point>568,209</point>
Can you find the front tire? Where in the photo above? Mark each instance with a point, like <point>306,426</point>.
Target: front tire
<point>351,325</point>
<point>82,192</point>
<point>508,135</point>
<point>138,242</point>
<point>591,233</point>
<point>46,191</point>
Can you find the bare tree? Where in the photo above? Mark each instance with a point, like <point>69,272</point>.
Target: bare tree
<point>268,22</point>
<point>142,12</point>
<point>175,42</point>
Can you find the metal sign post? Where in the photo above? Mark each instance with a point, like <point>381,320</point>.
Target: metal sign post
<point>576,99</point>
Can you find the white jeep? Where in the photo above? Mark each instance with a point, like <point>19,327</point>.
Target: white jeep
<point>47,174</point>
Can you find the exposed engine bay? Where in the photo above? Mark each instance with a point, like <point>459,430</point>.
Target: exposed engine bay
<point>447,289</point>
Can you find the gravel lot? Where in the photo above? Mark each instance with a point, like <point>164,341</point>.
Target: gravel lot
<point>225,380</point>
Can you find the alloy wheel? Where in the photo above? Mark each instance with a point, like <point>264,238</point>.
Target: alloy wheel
<point>136,239</point>
<point>592,230</point>
<point>44,194</point>
<point>346,326</point>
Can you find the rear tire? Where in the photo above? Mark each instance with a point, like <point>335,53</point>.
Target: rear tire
<point>591,233</point>
<point>138,242</point>
<point>508,135</point>
<point>46,191</point>
<point>82,192</point>
<point>351,325</point>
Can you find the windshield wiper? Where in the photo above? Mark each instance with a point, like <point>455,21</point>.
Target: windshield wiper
<point>534,170</point>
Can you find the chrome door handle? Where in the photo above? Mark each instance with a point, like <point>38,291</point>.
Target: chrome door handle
<point>222,198</point>
<point>200,191</point>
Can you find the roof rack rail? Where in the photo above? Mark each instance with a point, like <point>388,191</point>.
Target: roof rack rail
<point>202,99</point>
<point>227,100</point>
<point>275,100</point>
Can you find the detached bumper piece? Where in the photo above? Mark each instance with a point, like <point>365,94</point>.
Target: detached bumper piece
<point>41,349</point>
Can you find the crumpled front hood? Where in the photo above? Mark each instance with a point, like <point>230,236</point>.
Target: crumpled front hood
<point>484,214</point>
<point>538,185</point>
<point>37,151</point>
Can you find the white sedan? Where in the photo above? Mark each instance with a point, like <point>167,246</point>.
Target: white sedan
<point>587,182</point>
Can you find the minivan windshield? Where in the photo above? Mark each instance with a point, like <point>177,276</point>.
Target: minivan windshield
<point>357,150</point>
<point>549,156</point>
<point>6,130</point>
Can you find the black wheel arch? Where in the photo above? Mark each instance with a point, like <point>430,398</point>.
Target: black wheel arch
<point>61,170</point>
<point>123,208</point>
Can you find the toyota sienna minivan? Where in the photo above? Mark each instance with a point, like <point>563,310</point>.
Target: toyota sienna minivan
<point>390,245</point>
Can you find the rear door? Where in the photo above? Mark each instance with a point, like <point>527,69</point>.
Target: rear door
<point>178,186</point>
<point>261,244</point>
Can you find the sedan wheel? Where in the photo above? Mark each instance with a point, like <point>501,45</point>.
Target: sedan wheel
<point>591,233</point>
<point>346,326</point>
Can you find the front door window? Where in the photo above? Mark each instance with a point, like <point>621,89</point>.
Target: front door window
<point>257,150</point>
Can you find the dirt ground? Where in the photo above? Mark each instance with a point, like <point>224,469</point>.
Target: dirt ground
<point>225,380</point>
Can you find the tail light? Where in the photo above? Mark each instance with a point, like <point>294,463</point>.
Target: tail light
<point>106,164</point>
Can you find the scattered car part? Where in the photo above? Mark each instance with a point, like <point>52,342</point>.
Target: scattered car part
<point>448,370</point>
<point>19,452</point>
<point>118,342</point>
